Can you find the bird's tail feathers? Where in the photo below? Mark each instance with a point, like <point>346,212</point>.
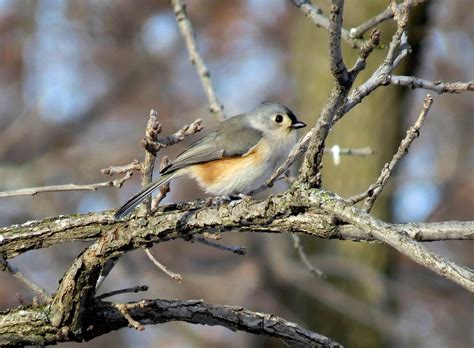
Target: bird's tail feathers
<point>142,195</point>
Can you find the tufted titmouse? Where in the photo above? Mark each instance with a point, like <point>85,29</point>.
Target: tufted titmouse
<point>238,157</point>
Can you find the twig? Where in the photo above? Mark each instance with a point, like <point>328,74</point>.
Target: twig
<point>304,258</point>
<point>297,150</point>
<point>180,135</point>
<point>371,194</point>
<point>360,151</point>
<point>122,308</point>
<point>175,276</point>
<point>337,66</point>
<point>5,266</point>
<point>134,289</point>
<point>310,171</point>
<point>135,165</point>
<point>395,237</point>
<point>163,190</point>
<point>239,250</point>
<point>358,31</point>
<point>385,15</point>
<point>187,32</point>
<point>153,128</point>
<point>67,187</point>
<point>398,50</point>
<point>314,13</point>
<point>364,52</point>
<point>439,87</point>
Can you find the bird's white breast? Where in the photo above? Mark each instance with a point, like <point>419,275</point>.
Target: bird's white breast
<point>246,173</point>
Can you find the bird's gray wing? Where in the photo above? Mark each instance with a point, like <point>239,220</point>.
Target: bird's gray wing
<point>233,138</point>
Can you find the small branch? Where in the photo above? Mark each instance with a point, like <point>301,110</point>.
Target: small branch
<point>175,276</point>
<point>401,15</point>
<point>163,190</point>
<point>387,14</point>
<point>135,165</point>
<point>364,52</point>
<point>297,151</point>
<point>304,258</point>
<point>358,152</point>
<point>360,30</point>
<point>315,14</point>
<point>300,148</point>
<point>153,128</point>
<point>310,171</point>
<point>36,289</point>
<point>397,51</point>
<point>67,187</point>
<point>187,32</point>
<point>371,194</point>
<point>395,237</point>
<point>338,68</point>
<point>135,289</point>
<point>239,250</point>
<point>439,87</point>
<point>123,308</point>
<point>177,137</point>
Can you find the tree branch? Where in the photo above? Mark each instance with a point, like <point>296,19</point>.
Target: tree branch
<point>187,32</point>
<point>36,289</point>
<point>122,291</point>
<point>172,275</point>
<point>337,66</point>
<point>439,87</point>
<point>31,191</point>
<point>397,238</point>
<point>385,15</point>
<point>374,190</point>
<point>190,218</point>
<point>30,325</point>
<point>180,135</point>
<point>315,14</point>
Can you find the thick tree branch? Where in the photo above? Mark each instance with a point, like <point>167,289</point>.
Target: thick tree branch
<point>184,24</point>
<point>30,325</point>
<point>279,213</point>
<point>32,235</point>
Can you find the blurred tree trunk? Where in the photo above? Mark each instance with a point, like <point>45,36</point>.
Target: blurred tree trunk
<point>377,124</point>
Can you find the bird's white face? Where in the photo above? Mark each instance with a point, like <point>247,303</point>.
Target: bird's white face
<point>277,123</point>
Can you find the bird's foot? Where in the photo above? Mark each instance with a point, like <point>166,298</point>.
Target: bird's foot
<point>218,200</point>
<point>238,198</point>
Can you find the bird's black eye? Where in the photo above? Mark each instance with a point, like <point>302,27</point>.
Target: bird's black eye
<point>278,118</point>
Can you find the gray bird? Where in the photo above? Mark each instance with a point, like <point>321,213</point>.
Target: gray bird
<point>238,157</point>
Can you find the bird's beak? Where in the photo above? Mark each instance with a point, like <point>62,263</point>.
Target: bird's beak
<point>298,124</point>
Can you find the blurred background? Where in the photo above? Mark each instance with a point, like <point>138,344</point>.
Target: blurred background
<point>77,81</point>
